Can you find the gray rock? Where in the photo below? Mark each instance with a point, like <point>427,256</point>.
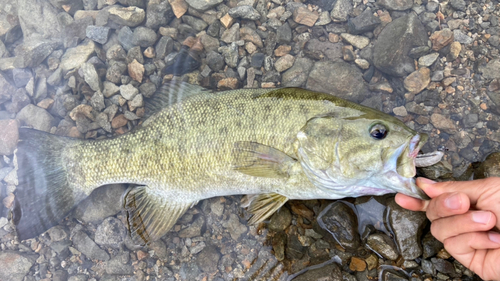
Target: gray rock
<point>330,272</point>
<point>195,23</point>
<point>470,120</point>
<point>20,99</point>
<point>235,228</point>
<point>428,60</point>
<point>97,101</point>
<point>340,222</point>
<point>98,34</point>
<point>115,71</point>
<point>445,267</point>
<point>33,51</point>
<point>297,75</point>
<point>458,4</point>
<point>125,35</point>
<point>203,5</point>
<point>383,245</point>
<point>101,203</point>
<point>128,91</point>
<point>210,43</point>
<point>110,233</point>
<point>244,12</point>
<point>54,79</point>
<point>284,34</point>
<point>232,34</point>
<point>208,259</point>
<point>91,77</point>
<point>30,13</point>
<point>147,89</point>
<point>365,22</point>
<point>9,135</point>
<point>158,14</point>
<point>280,220</point>
<point>397,5</point>
<point>390,52</point>
<point>462,37</point>
<point>89,248</point>
<point>36,117</point>
<point>257,60</point>
<point>143,37</point>
<point>58,233</point>
<point>116,52</point>
<point>194,229</point>
<point>128,16</point>
<point>164,47</point>
<point>14,265</point>
<point>74,57</point>
<point>135,53</point>
<point>138,3</point>
<point>341,10</point>
<point>407,227</point>
<point>491,70</point>
<point>431,246</point>
<point>109,89</point>
<point>437,76</point>
<point>120,265</point>
<point>340,78</point>
<point>215,61</point>
<point>230,54</point>
<point>21,77</point>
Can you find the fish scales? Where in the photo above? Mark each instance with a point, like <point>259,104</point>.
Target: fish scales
<point>270,144</point>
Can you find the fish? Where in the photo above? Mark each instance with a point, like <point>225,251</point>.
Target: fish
<point>272,145</point>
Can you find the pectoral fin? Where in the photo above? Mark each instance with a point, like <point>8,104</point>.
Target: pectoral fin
<point>262,205</point>
<point>260,160</point>
<point>150,216</point>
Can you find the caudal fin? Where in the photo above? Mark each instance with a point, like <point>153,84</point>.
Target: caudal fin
<point>43,196</point>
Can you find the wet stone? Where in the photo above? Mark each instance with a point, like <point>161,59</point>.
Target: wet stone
<point>357,264</point>
<point>244,12</point>
<point>396,5</point>
<point>128,91</point>
<point>21,77</point>
<point>364,22</point>
<point>303,16</point>
<point>280,220</point>
<point>357,41</point>
<point>330,272</point>
<point>97,101</point>
<point>340,221</point>
<point>208,259</point>
<point>89,248</point>
<point>235,228</point>
<point>36,117</point>
<point>462,37</point>
<point>110,233</point>
<point>203,5</point>
<point>417,80</point>
<point>383,245</point>
<point>143,37</point>
<point>9,135</point>
<point>407,227</point>
<point>125,35</point>
<point>195,23</point>
<point>194,229</point>
<point>445,267</point>
<point>98,34</point>
<point>428,267</point>
<point>119,265</point>
<point>427,60</point>
<point>14,266</point>
<point>91,77</point>
<point>102,202</point>
<point>128,16</point>
<point>441,38</point>
<point>341,10</point>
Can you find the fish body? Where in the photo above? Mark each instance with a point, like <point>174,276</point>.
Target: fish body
<point>271,144</point>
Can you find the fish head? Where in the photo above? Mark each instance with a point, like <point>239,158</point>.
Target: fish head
<point>361,152</point>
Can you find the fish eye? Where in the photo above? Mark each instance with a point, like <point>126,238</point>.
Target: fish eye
<point>378,131</point>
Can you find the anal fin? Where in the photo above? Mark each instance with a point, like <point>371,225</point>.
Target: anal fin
<point>150,216</point>
<point>260,160</point>
<point>262,206</point>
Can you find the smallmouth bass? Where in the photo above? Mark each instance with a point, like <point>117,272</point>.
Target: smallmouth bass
<point>273,145</point>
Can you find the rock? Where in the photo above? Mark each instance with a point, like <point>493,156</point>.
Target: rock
<point>110,233</point>
<point>445,267</point>
<point>441,122</point>
<point>303,16</point>
<point>119,121</point>
<point>91,77</point>
<point>491,70</point>
<point>30,14</point>
<point>203,5</point>
<point>230,54</point>
<point>257,60</point>
<point>324,19</point>
<point>364,22</point>
<point>74,57</point>
<point>215,61</point>
<point>194,229</point>
<point>21,77</point>
<point>390,51</point>
<point>458,4</point>
<point>125,35</point>
<point>455,49</point>
<point>164,46</point>
<point>284,63</point>
<point>341,10</point>
<point>280,220</point>
<point>89,248</point>
<point>462,37</point>
<point>357,41</point>
<point>128,16</point>
<point>400,111</point>
<point>195,23</point>
<point>115,71</point>
<point>235,228</point>
<point>36,117</point>
<point>109,89</point>
<point>128,91</point>
<point>330,272</point>
<point>427,60</point>
<point>297,75</point>
<point>9,135</point>
<point>396,5</point>
<point>417,80</point>
<point>97,101</point>
<point>101,203</point>
<point>431,246</point>
<point>441,39</point>
<point>33,51</point>
<point>250,35</point>
<point>341,78</point>
<point>184,62</point>
<point>208,259</point>
<point>19,100</point>
<point>284,34</point>
<point>232,34</point>
<point>244,12</point>
<point>179,7</point>
<point>407,227</point>
<point>98,34</point>
<point>136,70</point>
<point>383,245</point>
<point>340,221</point>
<point>357,264</point>
<point>14,266</point>
<point>143,37</point>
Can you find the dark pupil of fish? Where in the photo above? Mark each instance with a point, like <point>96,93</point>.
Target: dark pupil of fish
<point>378,132</point>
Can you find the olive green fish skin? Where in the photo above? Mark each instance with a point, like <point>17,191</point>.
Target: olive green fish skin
<point>185,151</point>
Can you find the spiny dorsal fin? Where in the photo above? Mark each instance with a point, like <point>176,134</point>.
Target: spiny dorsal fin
<point>171,93</point>
<point>260,160</point>
<point>150,216</point>
<point>262,205</point>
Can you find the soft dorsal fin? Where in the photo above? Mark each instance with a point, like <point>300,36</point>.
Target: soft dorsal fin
<point>150,216</point>
<point>171,93</point>
<point>260,160</point>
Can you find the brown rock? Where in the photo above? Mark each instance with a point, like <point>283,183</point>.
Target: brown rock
<point>179,7</point>
<point>334,38</point>
<point>74,133</point>
<point>189,41</point>
<point>197,46</point>
<point>371,261</point>
<point>136,70</point>
<point>82,109</point>
<point>228,84</point>
<point>80,14</point>
<point>267,85</point>
<point>455,49</point>
<point>441,38</point>
<point>304,16</point>
<point>9,135</point>
<point>357,264</point>
<point>284,63</point>
<point>45,103</point>
<point>227,21</point>
<point>8,201</point>
<point>248,34</point>
<point>169,31</point>
<point>417,80</point>
<point>250,47</point>
<point>141,255</point>
<point>282,50</point>
<point>149,52</point>
<point>119,121</point>
<point>301,210</point>
<point>441,122</point>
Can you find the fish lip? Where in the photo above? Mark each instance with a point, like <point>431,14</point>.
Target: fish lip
<point>414,146</point>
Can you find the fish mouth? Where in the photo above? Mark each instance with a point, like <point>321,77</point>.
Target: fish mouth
<point>406,160</point>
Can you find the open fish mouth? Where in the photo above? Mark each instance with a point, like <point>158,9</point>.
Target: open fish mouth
<point>406,162</point>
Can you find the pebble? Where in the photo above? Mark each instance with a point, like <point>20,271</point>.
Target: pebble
<point>383,245</point>
<point>110,233</point>
<point>136,70</point>
<point>128,16</point>
<point>341,10</point>
<point>284,63</point>
<point>9,135</point>
<point>128,91</point>
<point>441,39</point>
<point>73,58</point>
<point>203,5</point>
<point>357,41</point>
<point>89,248</point>
<point>14,266</point>
<point>98,34</point>
<point>109,89</point>
<point>417,80</point>
<point>442,122</point>
<point>36,117</point>
<point>357,264</point>
<point>427,60</point>
<point>91,77</point>
<point>143,36</point>
<point>303,16</point>
<point>244,12</point>
<point>462,37</point>
<point>400,111</point>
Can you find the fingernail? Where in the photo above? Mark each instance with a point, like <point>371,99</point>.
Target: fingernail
<point>453,202</point>
<point>481,217</point>
<point>426,181</point>
<point>494,237</point>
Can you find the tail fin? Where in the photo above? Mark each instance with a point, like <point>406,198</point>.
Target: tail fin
<point>43,196</point>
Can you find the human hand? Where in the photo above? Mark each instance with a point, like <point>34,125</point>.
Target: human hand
<point>463,217</point>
